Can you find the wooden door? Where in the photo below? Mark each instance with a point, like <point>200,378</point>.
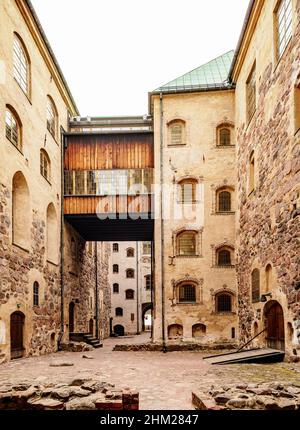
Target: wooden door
<point>17,321</point>
<point>91,326</point>
<point>71,317</point>
<point>275,327</point>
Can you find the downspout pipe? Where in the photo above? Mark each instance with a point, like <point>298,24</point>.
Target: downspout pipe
<point>137,290</point>
<point>162,226</point>
<point>62,240</point>
<point>96,291</point>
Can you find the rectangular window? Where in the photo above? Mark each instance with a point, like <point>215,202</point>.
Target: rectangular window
<point>132,317</point>
<point>251,94</point>
<point>146,248</point>
<point>284,25</point>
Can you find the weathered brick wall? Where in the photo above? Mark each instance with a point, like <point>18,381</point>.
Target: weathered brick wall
<point>269,221</point>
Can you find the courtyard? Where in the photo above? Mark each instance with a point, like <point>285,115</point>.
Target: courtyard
<point>164,381</point>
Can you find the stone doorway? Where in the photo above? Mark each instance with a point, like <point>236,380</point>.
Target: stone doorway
<point>17,321</point>
<point>91,326</point>
<point>71,317</point>
<point>274,320</point>
<point>119,330</point>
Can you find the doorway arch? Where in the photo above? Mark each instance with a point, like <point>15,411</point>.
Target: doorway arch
<point>71,317</point>
<point>146,307</point>
<point>17,322</point>
<point>119,330</point>
<point>274,320</point>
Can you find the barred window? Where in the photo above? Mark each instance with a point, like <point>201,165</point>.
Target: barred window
<point>119,312</point>
<point>284,25</point>
<point>116,288</point>
<point>115,268</point>
<point>187,293</point>
<point>21,66</point>
<point>36,294</point>
<point>130,252</point>
<point>130,273</point>
<point>224,137</point>
<point>51,117</point>
<point>251,94</point>
<point>129,294</point>
<point>115,247</point>
<point>255,284</point>
<point>45,165</point>
<point>13,129</point>
<point>224,201</point>
<point>188,191</point>
<point>176,132</point>
<point>148,282</point>
<point>186,243</point>
<point>224,257</point>
<point>223,303</point>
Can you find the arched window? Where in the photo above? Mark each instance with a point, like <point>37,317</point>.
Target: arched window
<point>45,165</point>
<point>52,117</point>
<point>187,293</point>
<point>129,294</point>
<point>21,219</point>
<point>224,137</point>
<point>115,268</point>
<point>224,200</point>
<point>188,191</point>
<point>251,172</point>
<point>119,312</point>
<point>223,302</point>
<point>255,284</point>
<point>130,252</point>
<point>13,128</point>
<point>224,257</point>
<point>268,278</point>
<point>186,243</point>
<point>36,294</point>
<point>116,288</point>
<point>148,282</point>
<point>115,247</point>
<point>198,330</point>
<point>176,132</point>
<point>130,273</point>
<point>175,331</point>
<point>52,233</point>
<point>21,64</point>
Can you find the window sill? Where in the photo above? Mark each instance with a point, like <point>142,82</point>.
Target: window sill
<point>18,149</point>
<point>224,213</point>
<point>25,94</point>
<point>47,180</point>
<point>189,303</point>
<point>189,256</point>
<point>279,58</point>
<point>52,263</point>
<point>53,137</point>
<point>20,247</point>
<point>231,266</point>
<point>178,145</point>
<point>229,313</point>
<point>224,146</point>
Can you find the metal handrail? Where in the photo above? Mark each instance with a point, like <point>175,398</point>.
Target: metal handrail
<point>251,340</point>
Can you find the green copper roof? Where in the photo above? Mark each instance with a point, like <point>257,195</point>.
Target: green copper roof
<point>212,75</point>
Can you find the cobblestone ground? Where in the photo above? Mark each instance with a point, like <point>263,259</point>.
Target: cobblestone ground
<point>164,381</point>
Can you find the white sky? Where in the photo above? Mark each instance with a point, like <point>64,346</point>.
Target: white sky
<point>113,52</point>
